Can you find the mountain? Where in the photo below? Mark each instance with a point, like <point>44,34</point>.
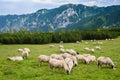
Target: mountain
<point>69,16</point>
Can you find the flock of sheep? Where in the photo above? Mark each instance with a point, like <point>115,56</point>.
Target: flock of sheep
<point>67,59</point>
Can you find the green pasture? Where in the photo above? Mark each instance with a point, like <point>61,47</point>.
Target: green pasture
<point>29,69</point>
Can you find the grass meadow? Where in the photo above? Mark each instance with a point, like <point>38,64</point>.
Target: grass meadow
<point>29,69</point>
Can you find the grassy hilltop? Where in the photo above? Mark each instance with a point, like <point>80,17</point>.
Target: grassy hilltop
<point>29,69</point>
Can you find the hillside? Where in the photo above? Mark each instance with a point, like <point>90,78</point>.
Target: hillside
<point>69,16</point>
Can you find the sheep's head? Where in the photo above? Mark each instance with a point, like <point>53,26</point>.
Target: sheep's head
<point>113,66</point>
<point>68,72</point>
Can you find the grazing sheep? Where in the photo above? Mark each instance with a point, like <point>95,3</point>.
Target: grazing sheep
<point>27,49</point>
<point>56,56</point>
<point>74,58</point>
<point>52,46</point>
<point>87,49</point>
<point>72,52</point>
<point>62,50</point>
<point>98,47</point>
<point>15,58</point>
<point>65,55</point>
<point>86,58</point>
<point>43,58</point>
<point>105,60</point>
<point>20,50</point>
<point>54,63</point>
<point>70,64</point>
<point>60,46</point>
<point>92,50</point>
<point>79,57</point>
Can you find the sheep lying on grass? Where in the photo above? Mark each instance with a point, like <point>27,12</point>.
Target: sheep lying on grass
<point>97,47</point>
<point>51,46</point>
<point>54,63</point>
<point>43,58</point>
<point>15,58</point>
<point>60,46</point>
<point>105,60</point>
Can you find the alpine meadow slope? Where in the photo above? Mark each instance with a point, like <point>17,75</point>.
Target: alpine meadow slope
<point>69,16</point>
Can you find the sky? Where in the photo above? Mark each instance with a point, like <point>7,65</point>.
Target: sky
<point>30,6</point>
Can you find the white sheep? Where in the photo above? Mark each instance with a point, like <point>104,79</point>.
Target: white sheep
<point>25,52</point>
<point>74,58</point>
<point>70,64</point>
<point>20,50</point>
<point>105,60</point>
<point>92,50</point>
<point>54,63</point>
<point>27,49</point>
<point>97,47</point>
<point>79,57</point>
<point>15,58</point>
<point>65,55</point>
<point>51,46</point>
<point>72,52</point>
<point>62,50</point>
<point>86,58</point>
<point>56,56</point>
<point>60,46</point>
<point>43,58</point>
<point>87,49</point>
<point>91,58</point>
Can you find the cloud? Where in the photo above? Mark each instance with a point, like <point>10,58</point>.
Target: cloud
<point>29,6</point>
<point>89,3</point>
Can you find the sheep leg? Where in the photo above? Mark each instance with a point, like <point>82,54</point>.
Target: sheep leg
<point>99,65</point>
<point>40,62</point>
<point>51,67</point>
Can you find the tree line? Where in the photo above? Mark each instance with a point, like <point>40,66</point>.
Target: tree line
<point>25,37</point>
